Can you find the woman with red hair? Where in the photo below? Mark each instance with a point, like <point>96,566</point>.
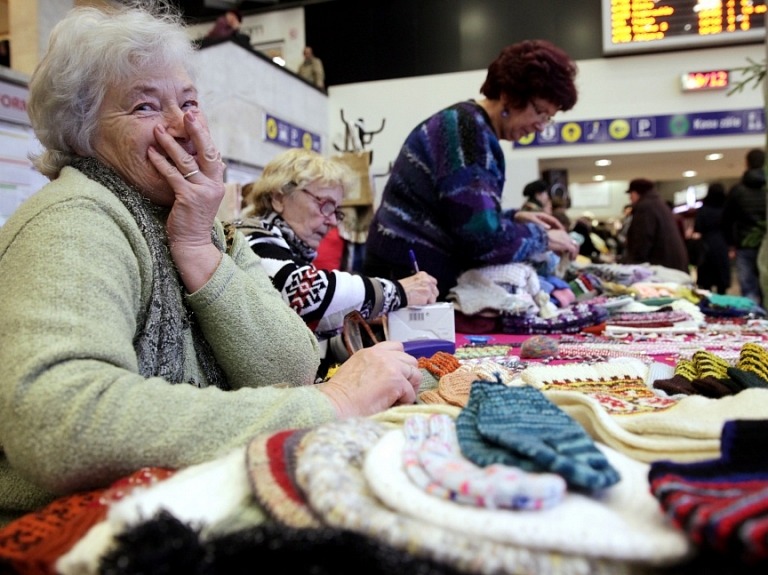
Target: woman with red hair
<point>443,197</point>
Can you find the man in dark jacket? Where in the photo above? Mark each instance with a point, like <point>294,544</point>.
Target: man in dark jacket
<point>653,236</point>
<point>744,223</point>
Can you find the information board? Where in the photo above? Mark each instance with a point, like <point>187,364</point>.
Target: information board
<point>648,25</point>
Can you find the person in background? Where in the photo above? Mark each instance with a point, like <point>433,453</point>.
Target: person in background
<point>311,69</point>
<point>443,196</point>
<point>653,236</point>
<point>289,210</point>
<point>743,222</point>
<point>228,26</point>
<point>537,197</point>
<point>144,336</point>
<point>714,264</point>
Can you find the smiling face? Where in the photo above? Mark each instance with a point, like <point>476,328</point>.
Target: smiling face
<point>301,210</point>
<point>127,119</point>
<point>520,122</point>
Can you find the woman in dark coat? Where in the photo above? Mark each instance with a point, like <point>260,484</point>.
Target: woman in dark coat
<point>714,265</point>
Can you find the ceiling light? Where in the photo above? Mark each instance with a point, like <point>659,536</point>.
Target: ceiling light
<point>278,60</point>
<point>689,173</point>
<point>711,157</point>
<point>598,178</point>
<point>603,163</point>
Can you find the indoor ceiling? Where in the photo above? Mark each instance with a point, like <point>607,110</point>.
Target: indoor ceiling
<point>660,167</point>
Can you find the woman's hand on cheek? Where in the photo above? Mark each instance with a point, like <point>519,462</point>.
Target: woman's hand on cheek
<point>198,196</point>
<point>197,199</point>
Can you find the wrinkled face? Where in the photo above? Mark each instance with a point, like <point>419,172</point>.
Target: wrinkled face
<point>302,211</point>
<point>534,117</point>
<point>127,119</point>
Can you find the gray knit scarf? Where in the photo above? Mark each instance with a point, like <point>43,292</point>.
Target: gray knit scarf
<point>159,341</point>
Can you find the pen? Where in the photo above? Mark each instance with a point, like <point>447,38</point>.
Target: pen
<point>413,261</point>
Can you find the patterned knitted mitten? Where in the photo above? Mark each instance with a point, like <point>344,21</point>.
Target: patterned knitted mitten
<point>721,504</point>
<point>752,368</point>
<point>518,426</point>
<point>493,486</point>
<point>685,373</point>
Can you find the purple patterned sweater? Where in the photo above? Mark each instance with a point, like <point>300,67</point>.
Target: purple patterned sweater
<point>443,201</point>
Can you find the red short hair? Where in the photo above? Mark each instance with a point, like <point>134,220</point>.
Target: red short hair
<point>532,69</point>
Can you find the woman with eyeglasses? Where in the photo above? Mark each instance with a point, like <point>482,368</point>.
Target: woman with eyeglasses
<point>289,210</point>
<point>443,196</point>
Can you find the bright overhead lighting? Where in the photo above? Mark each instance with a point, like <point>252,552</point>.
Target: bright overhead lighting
<point>278,60</point>
<point>689,173</point>
<point>711,157</point>
<point>598,178</point>
<point>603,163</point>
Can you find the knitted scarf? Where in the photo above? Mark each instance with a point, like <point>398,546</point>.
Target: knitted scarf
<point>302,253</point>
<point>159,341</point>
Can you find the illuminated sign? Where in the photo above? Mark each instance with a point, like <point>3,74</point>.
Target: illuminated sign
<point>648,25</point>
<point>711,80</point>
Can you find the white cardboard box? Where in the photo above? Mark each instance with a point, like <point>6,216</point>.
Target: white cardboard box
<point>433,321</point>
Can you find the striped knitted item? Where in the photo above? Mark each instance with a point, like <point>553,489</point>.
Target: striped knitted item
<point>518,426</point>
<point>271,465</point>
<point>752,367</point>
<point>721,504</point>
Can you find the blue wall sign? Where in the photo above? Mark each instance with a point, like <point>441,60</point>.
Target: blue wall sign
<point>284,134</point>
<point>638,128</point>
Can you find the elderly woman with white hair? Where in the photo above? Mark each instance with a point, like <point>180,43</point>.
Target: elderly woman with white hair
<point>289,210</point>
<point>134,330</point>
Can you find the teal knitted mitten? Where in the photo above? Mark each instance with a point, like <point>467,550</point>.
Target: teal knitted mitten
<point>518,426</point>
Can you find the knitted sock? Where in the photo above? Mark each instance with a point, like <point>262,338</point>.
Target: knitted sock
<point>493,486</point>
<point>746,379</point>
<point>721,504</point>
<point>754,358</point>
<point>685,373</point>
<point>520,427</point>
<point>711,387</point>
<point>752,367</point>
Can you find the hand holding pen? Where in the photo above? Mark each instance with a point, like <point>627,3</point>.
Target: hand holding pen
<point>420,288</point>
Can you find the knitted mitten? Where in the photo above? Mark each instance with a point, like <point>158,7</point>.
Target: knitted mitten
<point>721,504</point>
<point>493,486</point>
<point>714,370</point>
<point>518,426</point>
<point>685,373</point>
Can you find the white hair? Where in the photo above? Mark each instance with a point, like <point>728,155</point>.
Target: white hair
<point>89,51</point>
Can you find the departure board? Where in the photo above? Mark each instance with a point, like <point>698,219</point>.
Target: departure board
<point>654,25</point>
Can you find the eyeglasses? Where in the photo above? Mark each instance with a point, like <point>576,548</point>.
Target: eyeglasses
<point>542,114</point>
<point>327,207</point>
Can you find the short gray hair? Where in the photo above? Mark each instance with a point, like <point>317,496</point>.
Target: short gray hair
<point>90,50</point>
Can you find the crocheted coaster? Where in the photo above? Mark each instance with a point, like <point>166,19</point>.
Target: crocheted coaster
<point>270,460</point>
<point>518,426</point>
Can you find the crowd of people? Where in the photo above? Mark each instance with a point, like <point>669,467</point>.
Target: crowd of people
<point>151,334</point>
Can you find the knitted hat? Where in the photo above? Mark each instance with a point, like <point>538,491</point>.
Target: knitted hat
<point>624,523</point>
<point>333,472</point>
<point>271,461</point>
<point>640,185</point>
